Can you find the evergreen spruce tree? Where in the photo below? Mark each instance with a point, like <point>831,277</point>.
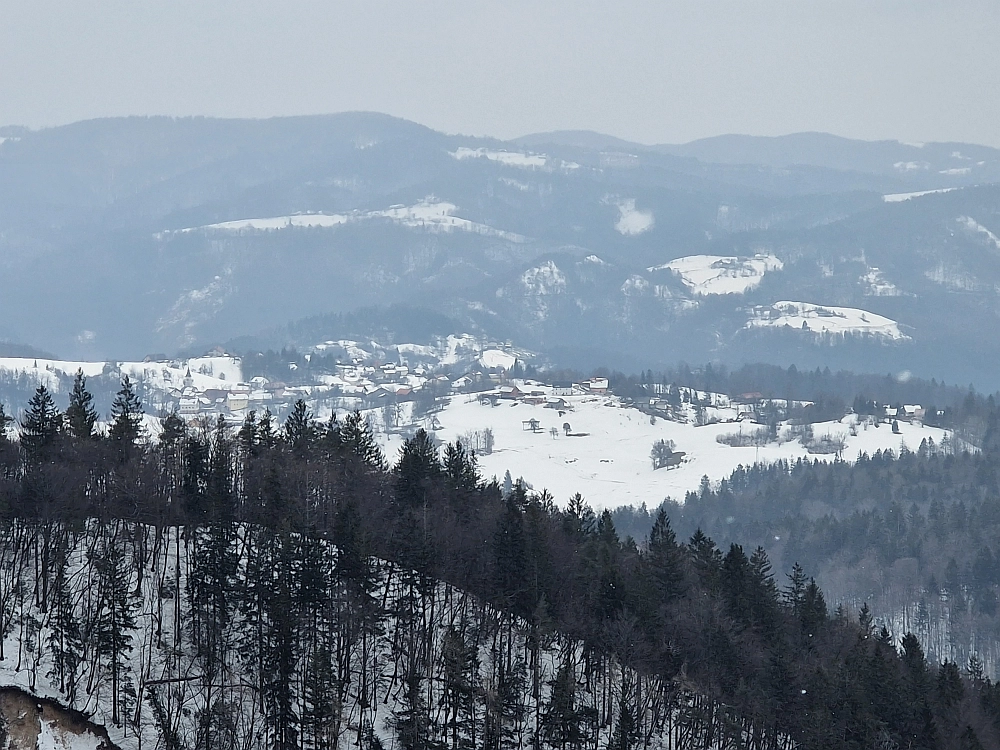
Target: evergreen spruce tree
<point>813,612</point>
<point>194,480</point>
<point>705,558</point>
<point>300,430</point>
<point>356,438</point>
<point>510,555</point>
<point>81,416</point>
<point>664,560</point>
<point>417,467</point>
<point>65,640</point>
<point>625,735</point>
<point>866,620</point>
<point>411,720</point>
<point>126,420</point>
<point>460,468</point>
<point>115,622</point>
<point>40,427</point>
<point>281,656</point>
<point>794,594</point>
<point>461,669</point>
<point>563,724</point>
<point>321,703</point>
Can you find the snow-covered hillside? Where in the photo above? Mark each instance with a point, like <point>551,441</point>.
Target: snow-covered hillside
<point>430,214</point>
<point>901,197</point>
<point>155,682</point>
<point>514,158</point>
<point>819,320</point>
<point>715,274</point>
<point>201,372</point>
<point>605,453</point>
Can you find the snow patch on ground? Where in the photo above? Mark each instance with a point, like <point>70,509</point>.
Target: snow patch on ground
<point>716,274</point>
<point>910,166</point>
<point>497,358</point>
<point>430,214</point>
<point>900,197</point>
<point>511,182</point>
<point>956,171</point>
<point>876,285</point>
<point>632,221</point>
<point>51,737</point>
<point>818,319</point>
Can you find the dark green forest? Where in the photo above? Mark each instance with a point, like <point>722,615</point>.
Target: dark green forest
<point>255,506</point>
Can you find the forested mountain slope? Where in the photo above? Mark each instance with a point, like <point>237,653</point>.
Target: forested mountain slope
<point>285,588</point>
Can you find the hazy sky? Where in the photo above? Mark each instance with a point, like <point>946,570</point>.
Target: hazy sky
<point>646,70</point>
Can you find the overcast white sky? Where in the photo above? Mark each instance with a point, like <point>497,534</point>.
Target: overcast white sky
<point>646,70</point>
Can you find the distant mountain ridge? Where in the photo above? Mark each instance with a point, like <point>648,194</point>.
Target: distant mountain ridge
<point>126,236</point>
<point>804,149</point>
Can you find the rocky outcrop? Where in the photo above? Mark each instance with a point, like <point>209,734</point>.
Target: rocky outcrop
<point>28,722</point>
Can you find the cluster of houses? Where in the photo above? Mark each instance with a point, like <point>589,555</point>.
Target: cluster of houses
<point>365,385</point>
<point>906,412</point>
<point>239,398</point>
<point>551,396</point>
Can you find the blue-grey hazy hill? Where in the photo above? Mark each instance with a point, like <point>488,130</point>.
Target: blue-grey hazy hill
<point>121,237</point>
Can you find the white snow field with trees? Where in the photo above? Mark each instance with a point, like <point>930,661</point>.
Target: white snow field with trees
<point>901,197</point>
<point>820,320</point>
<point>717,274</point>
<point>514,158</point>
<point>430,214</point>
<point>204,372</point>
<point>605,454</point>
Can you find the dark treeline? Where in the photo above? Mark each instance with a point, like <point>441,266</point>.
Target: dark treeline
<point>848,388</point>
<point>718,620</point>
<point>914,534</point>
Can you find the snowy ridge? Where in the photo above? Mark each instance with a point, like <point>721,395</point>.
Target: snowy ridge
<point>900,197</point>
<point>820,320</point>
<point>430,214</point>
<point>717,274</point>
<point>513,158</point>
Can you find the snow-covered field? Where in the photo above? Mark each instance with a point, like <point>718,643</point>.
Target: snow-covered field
<point>430,213</point>
<point>716,274</point>
<point>900,197</point>
<point>606,457</point>
<point>820,319</point>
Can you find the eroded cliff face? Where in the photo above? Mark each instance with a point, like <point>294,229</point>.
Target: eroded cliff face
<point>31,723</point>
